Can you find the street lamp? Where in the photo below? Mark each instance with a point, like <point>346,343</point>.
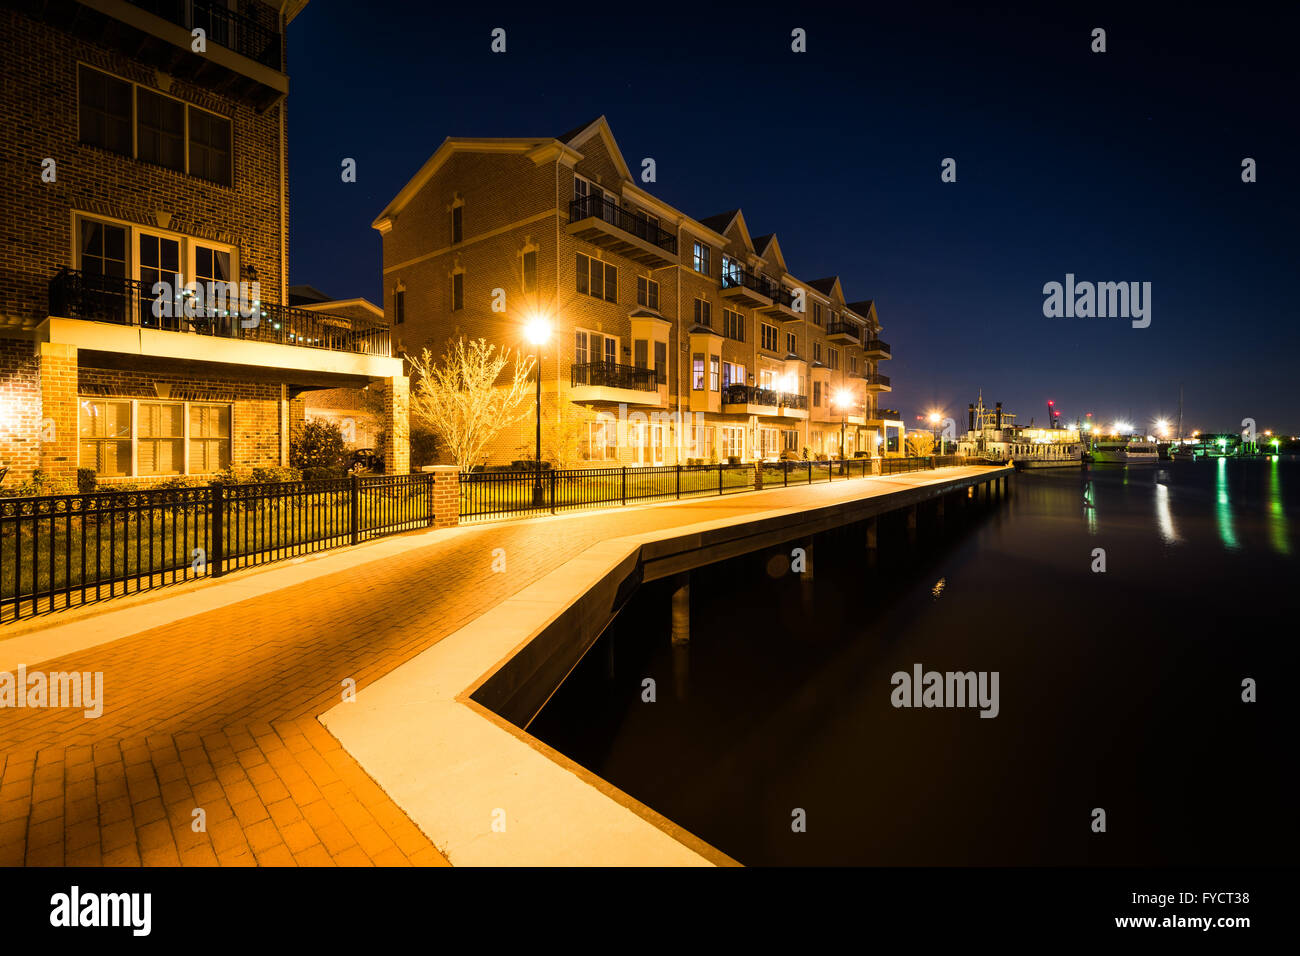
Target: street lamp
<point>935,419</point>
<point>842,400</point>
<point>538,331</point>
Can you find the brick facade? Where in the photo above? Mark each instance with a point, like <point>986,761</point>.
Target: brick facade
<point>41,111</point>
<point>514,196</point>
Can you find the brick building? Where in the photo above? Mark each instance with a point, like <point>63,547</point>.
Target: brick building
<point>135,154</point>
<point>674,338</point>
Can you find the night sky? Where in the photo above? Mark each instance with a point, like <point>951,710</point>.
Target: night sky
<point>1122,166</point>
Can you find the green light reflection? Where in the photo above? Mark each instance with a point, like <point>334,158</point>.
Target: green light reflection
<point>1223,508</point>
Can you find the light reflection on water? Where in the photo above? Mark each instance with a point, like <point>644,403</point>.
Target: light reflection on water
<point>1115,686</point>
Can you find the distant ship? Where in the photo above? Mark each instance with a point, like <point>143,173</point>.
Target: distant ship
<point>1124,450</point>
<point>993,435</point>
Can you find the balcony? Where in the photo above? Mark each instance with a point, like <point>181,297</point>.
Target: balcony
<point>790,405</point>
<point>746,288</point>
<point>749,400</point>
<point>782,305</point>
<point>603,222</point>
<point>116,316</point>
<point>877,382</point>
<point>243,59</point>
<point>611,382</point>
<point>875,348</point>
<point>847,332</point>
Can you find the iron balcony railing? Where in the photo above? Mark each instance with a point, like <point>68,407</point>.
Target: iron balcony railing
<point>607,210</point>
<point>890,414</point>
<point>221,25</point>
<point>791,400</point>
<point>80,295</point>
<point>877,345</point>
<point>740,394</point>
<point>613,375</point>
<point>844,328</point>
<point>875,378</point>
<point>735,277</point>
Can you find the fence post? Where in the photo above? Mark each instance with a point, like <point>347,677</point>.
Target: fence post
<point>625,484</point>
<point>215,559</point>
<point>679,481</point>
<point>354,500</point>
<point>428,500</point>
<point>553,481</point>
<point>719,479</point>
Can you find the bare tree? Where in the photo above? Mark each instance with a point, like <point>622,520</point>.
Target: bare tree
<point>459,397</point>
<point>920,444</point>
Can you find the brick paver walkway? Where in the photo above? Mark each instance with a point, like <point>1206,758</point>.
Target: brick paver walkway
<point>218,711</point>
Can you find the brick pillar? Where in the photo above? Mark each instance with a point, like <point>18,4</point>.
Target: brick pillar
<point>446,495</point>
<point>396,396</point>
<point>57,428</point>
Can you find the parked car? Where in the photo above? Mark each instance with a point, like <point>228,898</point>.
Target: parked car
<point>367,458</point>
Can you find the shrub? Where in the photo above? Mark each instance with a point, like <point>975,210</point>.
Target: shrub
<point>275,473</point>
<point>86,480</point>
<point>319,474</point>
<point>42,484</point>
<point>424,447</point>
<point>317,444</point>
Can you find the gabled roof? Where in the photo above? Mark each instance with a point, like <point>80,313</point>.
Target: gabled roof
<point>824,286</point>
<point>573,133</point>
<point>767,247</point>
<point>301,294</point>
<point>720,222</point>
<point>574,139</point>
<point>865,308</point>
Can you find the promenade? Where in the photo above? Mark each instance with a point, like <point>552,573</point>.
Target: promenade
<point>213,694</point>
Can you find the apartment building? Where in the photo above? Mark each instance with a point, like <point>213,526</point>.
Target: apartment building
<point>674,338</point>
<point>143,177</point>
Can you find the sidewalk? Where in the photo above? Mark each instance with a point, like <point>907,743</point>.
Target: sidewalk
<point>218,709</point>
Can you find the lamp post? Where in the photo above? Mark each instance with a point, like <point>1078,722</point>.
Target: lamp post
<point>538,332</point>
<point>842,399</point>
<point>935,418</point>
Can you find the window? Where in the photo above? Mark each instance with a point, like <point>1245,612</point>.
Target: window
<point>160,130</point>
<point>399,306</point>
<point>530,272</point>
<point>732,272</point>
<point>733,325</point>
<point>833,356</point>
<point>647,292</point>
<point>790,344</point>
<point>817,394</point>
<point>817,351</point>
<point>103,249</point>
<point>160,447</point>
<point>167,132</point>
<point>105,436</point>
<point>703,312</point>
<point>580,347</point>
<point>602,441</point>
<point>160,261</point>
<point>210,146</point>
<point>789,439</point>
<point>713,373</point>
<point>209,438</point>
<point>700,259</point>
<point>767,438</point>
<point>733,441</point>
<point>457,223</point>
<point>596,278</point>
<point>661,362</point>
<point>697,372</point>
<point>817,313</point>
<point>611,350</point>
<point>701,438</point>
<point>641,353</point>
<point>457,291</point>
<point>104,110</point>
<point>853,364</point>
<point>769,336</point>
<point>732,374</point>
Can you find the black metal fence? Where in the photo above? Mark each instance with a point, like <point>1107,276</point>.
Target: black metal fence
<point>59,551</point>
<point>496,493</point>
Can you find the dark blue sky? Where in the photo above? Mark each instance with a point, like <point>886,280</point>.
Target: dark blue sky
<point>1122,166</point>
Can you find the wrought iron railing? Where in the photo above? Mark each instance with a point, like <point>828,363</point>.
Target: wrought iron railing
<point>740,394</point>
<point>876,345</point>
<point>80,295</point>
<point>734,277</point>
<point>613,375</point>
<point>875,378</point>
<point>607,210</point>
<point>844,328</point>
<point>221,25</point>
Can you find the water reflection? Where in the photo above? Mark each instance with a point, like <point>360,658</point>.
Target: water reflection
<point>1277,535</point>
<point>1223,508</point>
<point>1164,518</point>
